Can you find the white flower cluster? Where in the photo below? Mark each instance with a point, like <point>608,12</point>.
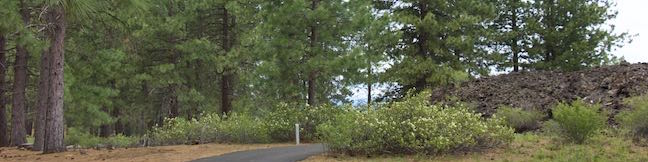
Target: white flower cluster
<point>413,126</point>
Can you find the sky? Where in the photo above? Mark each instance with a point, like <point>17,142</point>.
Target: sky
<point>632,18</point>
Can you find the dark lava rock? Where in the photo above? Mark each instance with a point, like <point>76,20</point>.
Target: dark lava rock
<point>542,90</point>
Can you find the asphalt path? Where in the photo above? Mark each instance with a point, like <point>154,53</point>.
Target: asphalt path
<point>276,154</point>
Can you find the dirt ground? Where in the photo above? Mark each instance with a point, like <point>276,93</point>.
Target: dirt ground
<point>144,154</point>
<point>541,90</point>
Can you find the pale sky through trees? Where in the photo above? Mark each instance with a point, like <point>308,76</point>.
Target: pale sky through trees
<point>631,18</point>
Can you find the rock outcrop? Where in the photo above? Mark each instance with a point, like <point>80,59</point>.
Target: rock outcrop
<point>542,90</point>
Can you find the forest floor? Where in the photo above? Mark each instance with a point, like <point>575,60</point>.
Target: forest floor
<point>142,154</point>
<point>526,147</point>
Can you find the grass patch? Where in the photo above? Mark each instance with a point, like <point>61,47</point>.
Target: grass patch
<point>529,147</point>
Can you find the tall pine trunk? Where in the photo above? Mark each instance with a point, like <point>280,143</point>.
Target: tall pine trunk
<point>4,139</point>
<point>227,76</point>
<point>41,109</point>
<point>312,75</point>
<point>54,127</point>
<point>171,99</point>
<point>18,115</point>
<point>18,133</point>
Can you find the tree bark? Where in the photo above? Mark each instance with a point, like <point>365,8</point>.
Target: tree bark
<point>106,130</point>
<point>226,92</point>
<point>54,121</point>
<point>172,101</point>
<point>29,124</point>
<point>4,139</point>
<point>18,119</point>
<point>18,133</point>
<point>369,84</point>
<point>227,76</point>
<point>119,127</point>
<point>313,47</point>
<point>41,109</point>
<point>311,89</point>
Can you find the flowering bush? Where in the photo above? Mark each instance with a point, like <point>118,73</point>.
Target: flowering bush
<point>281,122</point>
<point>413,126</point>
<point>237,128</point>
<point>241,128</point>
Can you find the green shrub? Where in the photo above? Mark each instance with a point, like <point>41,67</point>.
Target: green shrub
<point>412,126</point>
<point>281,121</point>
<point>351,132</point>
<point>317,115</point>
<point>636,119</point>
<point>242,128</point>
<point>76,137</point>
<point>519,119</point>
<point>578,121</point>
<point>237,128</point>
<point>121,141</point>
<point>176,131</point>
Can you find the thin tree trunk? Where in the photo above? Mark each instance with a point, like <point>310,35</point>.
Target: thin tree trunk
<point>227,76</point>
<point>105,130</point>
<point>4,139</point>
<point>29,125</point>
<point>172,97</point>
<point>514,43</point>
<point>54,121</point>
<point>172,101</point>
<point>311,89</point>
<point>18,119</point>
<point>369,84</point>
<point>119,127</point>
<point>226,92</point>
<point>41,106</point>
<point>41,109</point>
<point>313,47</point>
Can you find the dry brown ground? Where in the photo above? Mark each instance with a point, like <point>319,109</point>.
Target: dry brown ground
<point>144,154</point>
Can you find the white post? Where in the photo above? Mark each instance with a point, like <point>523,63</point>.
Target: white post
<point>297,134</point>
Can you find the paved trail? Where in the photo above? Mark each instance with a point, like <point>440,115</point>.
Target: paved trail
<point>277,154</point>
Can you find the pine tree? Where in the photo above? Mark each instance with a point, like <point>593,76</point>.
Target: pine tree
<point>442,42</point>
<point>4,138</point>
<point>18,115</point>
<point>54,126</point>
<point>571,34</point>
<point>9,24</point>
<point>511,35</point>
<point>301,56</point>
